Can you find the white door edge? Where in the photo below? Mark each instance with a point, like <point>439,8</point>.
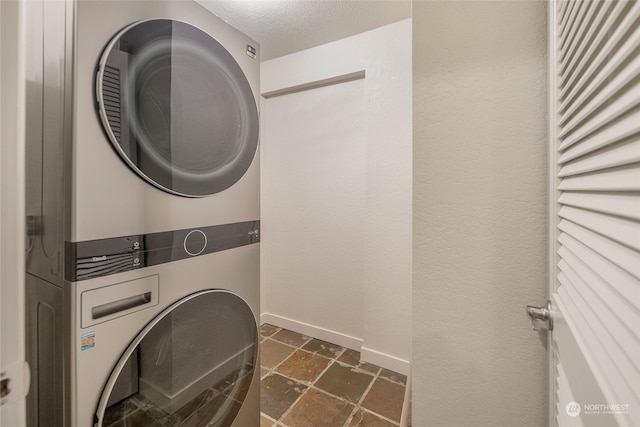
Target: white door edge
<point>12,225</point>
<point>553,207</point>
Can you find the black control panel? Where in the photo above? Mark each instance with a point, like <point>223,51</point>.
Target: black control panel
<point>97,258</point>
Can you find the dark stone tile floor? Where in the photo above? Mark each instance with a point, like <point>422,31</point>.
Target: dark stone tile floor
<point>217,405</point>
<point>306,382</point>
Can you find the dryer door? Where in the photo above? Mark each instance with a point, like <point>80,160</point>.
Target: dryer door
<point>177,107</point>
<point>192,365</point>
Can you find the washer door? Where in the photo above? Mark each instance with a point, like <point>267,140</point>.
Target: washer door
<point>177,107</point>
<point>192,365</point>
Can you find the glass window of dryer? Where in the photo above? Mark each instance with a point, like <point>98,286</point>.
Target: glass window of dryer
<point>191,366</point>
<point>177,107</point>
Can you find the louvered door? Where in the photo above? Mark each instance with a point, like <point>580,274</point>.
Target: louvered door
<point>595,132</point>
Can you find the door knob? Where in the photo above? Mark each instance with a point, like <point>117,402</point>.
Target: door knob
<point>541,317</point>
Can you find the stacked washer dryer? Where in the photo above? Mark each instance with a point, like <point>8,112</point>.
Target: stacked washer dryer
<point>143,264</point>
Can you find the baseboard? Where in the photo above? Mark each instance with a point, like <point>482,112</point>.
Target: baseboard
<point>366,354</point>
<point>312,331</point>
<point>387,361</point>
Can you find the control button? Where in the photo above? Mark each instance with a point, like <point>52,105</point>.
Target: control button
<point>195,242</point>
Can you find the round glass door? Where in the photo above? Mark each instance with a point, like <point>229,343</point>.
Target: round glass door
<point>177,107</point>
<point>191,366</point>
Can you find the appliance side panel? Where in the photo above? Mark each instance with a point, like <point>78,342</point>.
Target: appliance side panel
<point>45,352</point>
<point>47,128</point>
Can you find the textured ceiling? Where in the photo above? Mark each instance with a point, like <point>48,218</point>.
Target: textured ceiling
<point>286,26</point>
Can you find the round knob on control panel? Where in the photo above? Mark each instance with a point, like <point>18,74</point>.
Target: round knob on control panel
<point>195,242</point>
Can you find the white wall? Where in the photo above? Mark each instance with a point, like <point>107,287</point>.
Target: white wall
<point>313,202</point>
<point>336,195</point>
<point>480,209</point>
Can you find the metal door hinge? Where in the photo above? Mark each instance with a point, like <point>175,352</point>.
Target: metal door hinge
<point>14,383</point>
<point>541,317</point>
